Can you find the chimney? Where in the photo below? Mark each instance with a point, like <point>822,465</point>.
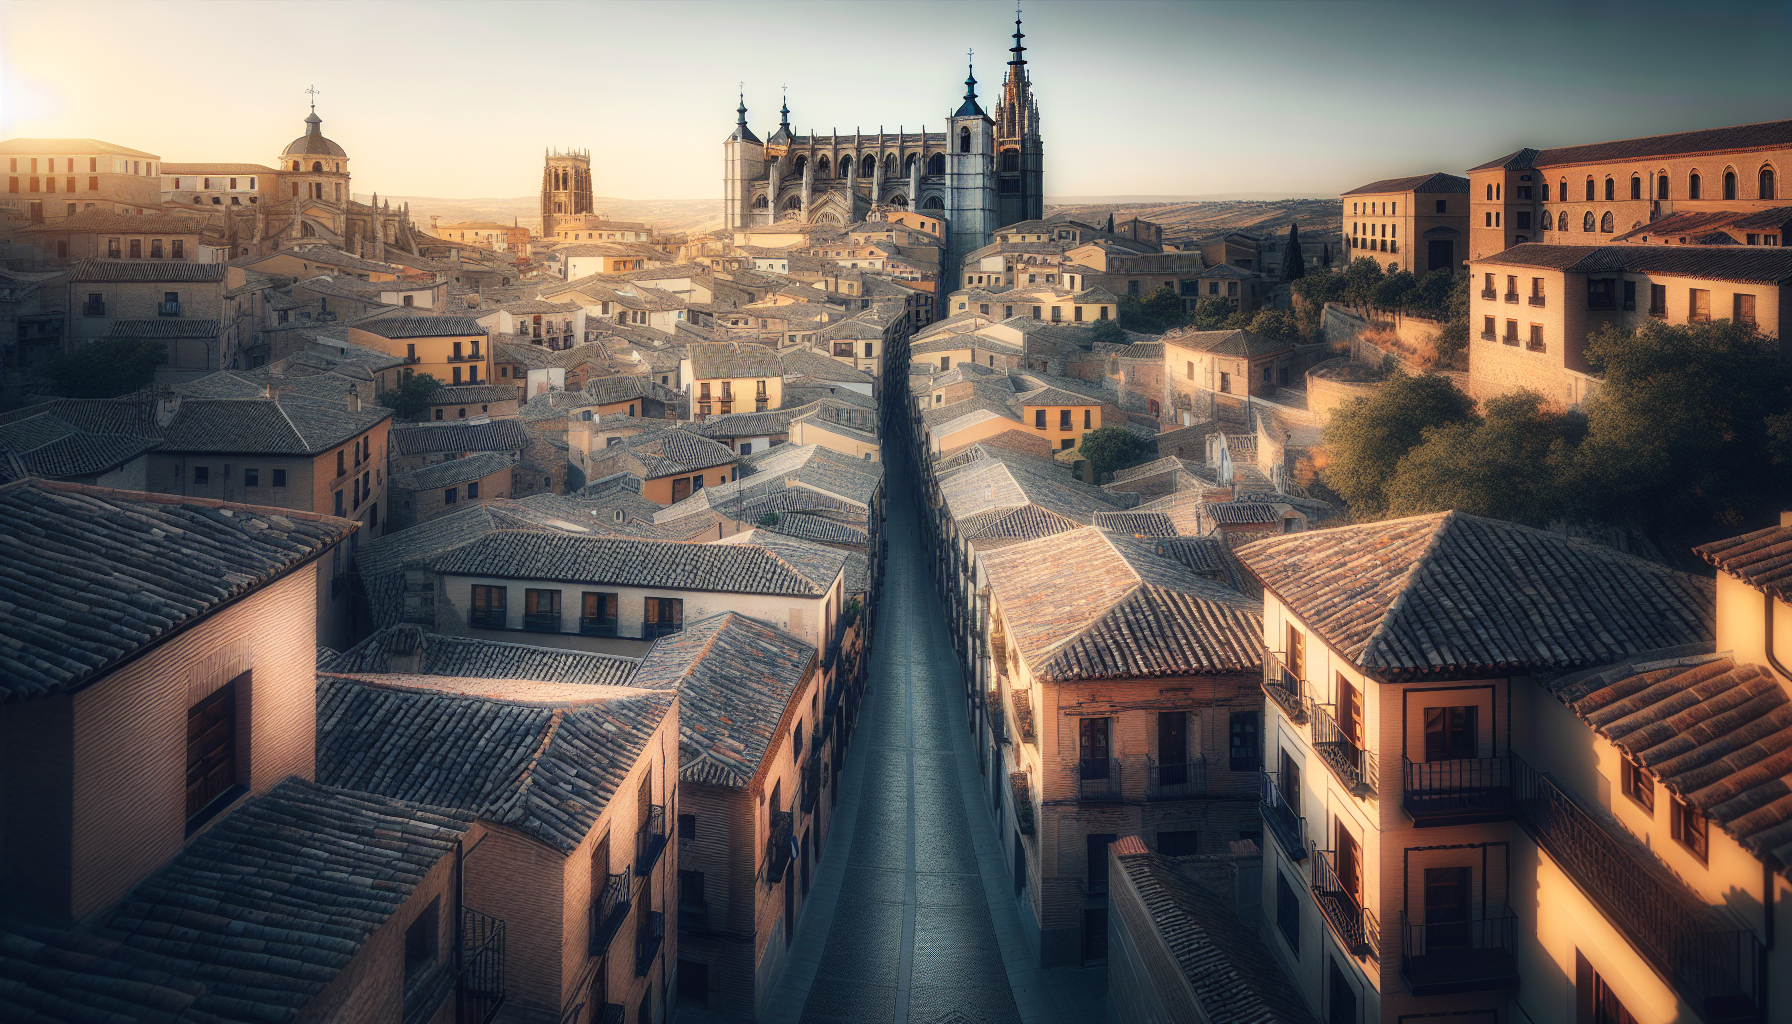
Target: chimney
<point>269,389</point>
<point>354,398</point>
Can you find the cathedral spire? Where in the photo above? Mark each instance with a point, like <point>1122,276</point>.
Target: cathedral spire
<point>969,107</point>
<point>784,111</point>
<point>1017,49</point>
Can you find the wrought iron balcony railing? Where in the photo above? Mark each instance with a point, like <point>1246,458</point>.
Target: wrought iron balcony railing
<point>778,852</point>
<point>1184,780</point>
<point>1286,688</point>
<point>608,912</point>
<point>1342,907</point>
<point>1448,957</point>
<point>648,939</point>
<point>479,988</point>
<point>1457,792</point>
<point>1098,780</point>
<point>812,781</point>
<point>1354,766</point>
<point>1284,822</point>
<point>650,839</point>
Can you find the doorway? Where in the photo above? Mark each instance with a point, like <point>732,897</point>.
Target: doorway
<point>1092,746</point>
<point>1172,748</point>
<point>1450,733</point>
<point>1095,936</point>
<point>1440,254</point>
<point>1446,908</point>
<point>1341,1000</point>
<point>693,985</point>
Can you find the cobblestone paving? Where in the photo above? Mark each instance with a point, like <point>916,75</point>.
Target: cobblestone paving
<point>911,937</point>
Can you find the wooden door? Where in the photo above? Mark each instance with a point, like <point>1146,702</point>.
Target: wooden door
<point>1450,733</point>
<point>1446,908</point>
<point>1092,746</point>
<point>1172,748</point>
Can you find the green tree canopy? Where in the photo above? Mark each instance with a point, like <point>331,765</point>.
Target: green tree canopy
<point>1294,265</point>
<point>411,398</point>
<point>1108,331</point>
<point>1509,464</point>
<point>1160,311</point>
<point>106,368</point>
<point>1276,324</point>
<point>1392,291</point>
<point>1209,314</point>
<point>1365,442</point>
<point>1360,281</point>
<point>1108,449</point>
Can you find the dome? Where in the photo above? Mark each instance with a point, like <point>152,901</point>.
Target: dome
<point>313,143</point>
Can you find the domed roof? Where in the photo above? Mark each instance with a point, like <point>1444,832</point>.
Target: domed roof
<point>313,143</point>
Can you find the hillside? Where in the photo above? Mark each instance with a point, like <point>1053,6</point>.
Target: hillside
<point>1187,220</point>
<point>672,215</point>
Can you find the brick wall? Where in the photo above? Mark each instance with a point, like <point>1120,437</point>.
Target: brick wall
<point>371,987</point>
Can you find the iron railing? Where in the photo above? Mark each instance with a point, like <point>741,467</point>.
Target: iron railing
<point>611,1013</point>
<point>1715,968</point>
<point>1489,293</point>
<point>1354,924</point>
<point>1284,822</point>
<point>997,715</point>
<point>812,780</point>
<point>1098,779</point>
<point>597,625</point>
<point>492,618</point>
<point>1023,801</point>
<point>608,912</point>
<point>167,309</point>
<point>539,622</point>
<point>479,988</point>
<point>1287,689</point>
<point>1458,791</point>
<point>1178,781</point>
<point>777,846</point>
<point>1538,300</point>
<point>1354,766</point>
<point>648,938</point>
<point>655,630</point>
<point>650,839</point>
<point>1460,956</point>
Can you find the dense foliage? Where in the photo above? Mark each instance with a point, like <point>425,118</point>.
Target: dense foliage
<point>411,398</point>
<point>106,368</point>
<point>1108,449</point>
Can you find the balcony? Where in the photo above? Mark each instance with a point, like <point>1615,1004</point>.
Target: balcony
<point>648,939</point>
<point>1458,792</point>
<point>1538,300</point>
<point>997,715</point>
<point>1712,966</point>
<point>779,847</point>
<point>610,1013</point>
<point>812,782</point>
<point>589,626</point>
<point>1459,956</point>
<point>650,840</point>
<point>1489,336</point>
<point>1098,780</point>
<point>479,990</point>
<point>1489,293</point>
<point>543,622</point>
<point>1355,767</point>
<point>1287,689</point>
<point>1284,822</point>
<point>1023,802</point>
<point>1356,927</point>
<point>1512,297</point>
<point>486,618</point>
<point>608,912</point>
<point>655,630</point>
<point>167,309</point>
<point>1186,780</point>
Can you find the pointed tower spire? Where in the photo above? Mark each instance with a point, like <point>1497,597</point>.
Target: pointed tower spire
<point>1017,49</point>
<point>784,111</point>
<point>969,107</point>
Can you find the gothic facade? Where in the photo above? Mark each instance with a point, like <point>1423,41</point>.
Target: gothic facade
<point>565,189</point>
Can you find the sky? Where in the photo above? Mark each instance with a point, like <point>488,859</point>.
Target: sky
<point>1136,98</point>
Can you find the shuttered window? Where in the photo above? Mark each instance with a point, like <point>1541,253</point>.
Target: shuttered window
<point>211,747</point>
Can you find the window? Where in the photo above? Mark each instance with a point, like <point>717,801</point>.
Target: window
<point>1698,305</point>
<point>1225,383</point>
<point>1063,419</point>
<point>1729,184</point>
<point>251,478</point>
<point>279,478</point>
<point>201,476</point>
<point>1535,344</point>
<point>1658,300</point>
<point>1511,335</point>
<point>964,140</point>
<point>1442,205</point>
<point>451,495</point>
<point>1039,419</point>
<point>1605,222</point>
<point>136,245</point>
<point>1767,191</point>
<point>178,249</point>
<point>211,751</point>
<point>1600,293</point>
<point>1596,1003</point>
<point>1487,331</point>
<point>1636,187</point>
<point>597,614</point>
<point>488,607</point>
<point>1692,185</point>
<point>1287,913</point>
<point>1744,312</point>
<point>660,616</point>
<point>1692,828</point>
<point>541,610</point>
<point>421,940</point>
<point>1639,787</point>
<point>1245,746</point>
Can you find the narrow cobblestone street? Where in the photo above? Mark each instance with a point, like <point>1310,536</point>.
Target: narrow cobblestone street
<point>912,918</point>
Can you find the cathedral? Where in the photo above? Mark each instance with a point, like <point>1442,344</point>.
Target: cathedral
<point>977,175</point>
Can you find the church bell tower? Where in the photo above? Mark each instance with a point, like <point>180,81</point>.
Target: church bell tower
<point>565,188</point>
<point>1020,156</point>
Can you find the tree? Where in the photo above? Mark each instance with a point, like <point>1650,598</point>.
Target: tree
<point>106,368</point>
<point>1160,311</point>
<point>1108,331</point>
<point>1360,279</point>
<point>1209,315</point>
<point>1108,449</point>
<point>770,519</point>
<point>411,398</point>
<point>1682,429</point>
<point>1365,442</point>
<point>1294,267</point>
<point>1508,465</point>
<point>1391,292</point>
<point>1276,324</point>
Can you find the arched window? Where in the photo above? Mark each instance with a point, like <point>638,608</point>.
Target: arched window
<point>1562,221</point>
<point>964,140</point>
<point>1692,185</point>
<point>1586,223</point>
<point>909,162</point>
<point>338,167</point>
<point>889,165</point>
<point>936,164</point>
<point>1590,188</point>
<point>1611,190</point>
<point>759,203</point>
<point>1010,159</point>
<point>793,203</point>
<point>1563,189</point>
<point>1605,222</point>
<point>1767,183</point>
<point>801,162</point>
<point>295,165</point>
<point>306,229</point>
<point>1636,187</point>
<point>1661,187</point>
<point>317,167</point>
<point>933,203</point>
<point>868,166</point>
<point>1729,184</point>
<point>822,166</point>
<point>899,201</point>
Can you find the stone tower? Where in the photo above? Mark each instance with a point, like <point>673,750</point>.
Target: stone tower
<point>1020,155</point>
<point>565,187</point>
<point>743,162</point>
<point>970,184</point>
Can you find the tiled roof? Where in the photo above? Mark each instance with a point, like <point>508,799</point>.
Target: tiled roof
<point>1437,181</point>
<point>543,758</point>
<point>434,654</point>
<point>669,452</point>
<point>422,327</point>
<point>671,565</point>
<point>289,425</point>
<point>751,424</point>
<point>814,364</point>
<point>626,388</point>
<point>735,678</point>
<point>1450,595</point>
<point>1144,524</point>
<point>477,466</point>
<point>427,438</point>
<point>68,437</point>
<point>1233,975</point>
<point>470,393</point>
<point>1232,512</point>
<point>145,270</point>
<point>95,575</point>
<point>1742,263</point>
<point>1762,559</point>
<point>1088,605</point>
<point>712,360</point>
<point>1028,522</point>
<point>1763,135</point>
<point>163,327</point>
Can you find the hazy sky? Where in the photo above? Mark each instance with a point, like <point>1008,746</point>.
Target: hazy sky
<point>458,99</point>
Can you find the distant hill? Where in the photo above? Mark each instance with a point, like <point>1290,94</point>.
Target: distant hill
<point>676,215</point>
<point>1213,197</point>
<point>1185,220</point>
